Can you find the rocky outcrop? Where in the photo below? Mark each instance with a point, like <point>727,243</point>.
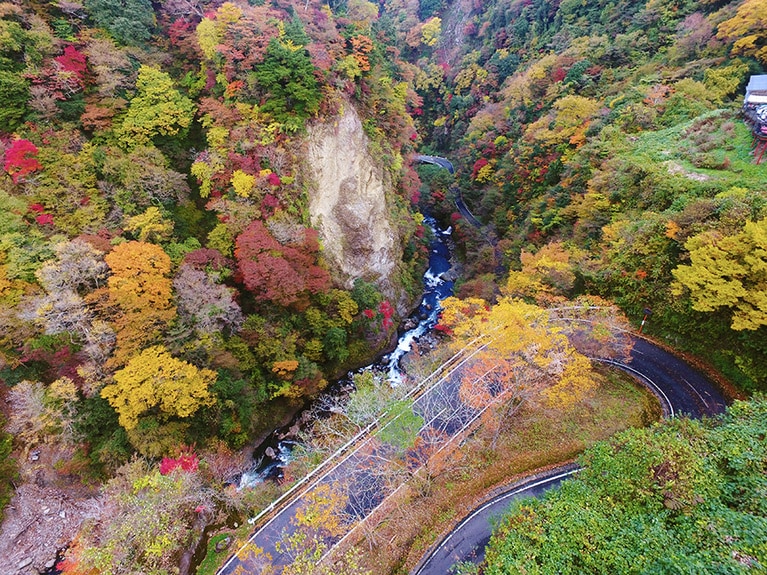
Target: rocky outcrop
<point>348,205</point>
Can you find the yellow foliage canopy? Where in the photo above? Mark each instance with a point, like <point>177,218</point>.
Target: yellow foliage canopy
<point>728,272</point>
<point>571,116</point>
<point>150,226</point>
<point>525,354</point>
<point>431,31</point>
<point>285,368</point>
<point>243,183</point>
<point>139,276</point>
<point>547,271</point>
<point>140,288</point>
<point>748,28</point>
<point>156,379</point>
<point>323,511</point>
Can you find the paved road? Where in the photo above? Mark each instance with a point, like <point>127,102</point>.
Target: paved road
<point>681,390</point>
<point>437,161</point>
<point>364,474</point>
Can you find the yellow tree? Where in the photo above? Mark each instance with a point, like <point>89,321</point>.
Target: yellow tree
<point>525,356</point>
<point>321,518</point>
<point>464,317</point>
<point>151,226</point>
<point>155,379</point>
<point>430,31</point>
<point>728,272</point>
<point>157,109</point>
<point>548,270</point>
<point>141,291</point>
<point>571,115</point>
<point>749,30</point>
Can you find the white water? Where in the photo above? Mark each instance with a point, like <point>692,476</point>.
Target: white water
<point>436,288</point>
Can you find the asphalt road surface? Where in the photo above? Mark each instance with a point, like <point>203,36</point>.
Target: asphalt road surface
<point>681,390</point>
<point>364,474</point>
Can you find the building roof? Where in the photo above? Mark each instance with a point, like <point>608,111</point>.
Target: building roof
<point>756,90</point>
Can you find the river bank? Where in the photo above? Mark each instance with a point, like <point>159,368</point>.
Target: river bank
<point>271,456</point>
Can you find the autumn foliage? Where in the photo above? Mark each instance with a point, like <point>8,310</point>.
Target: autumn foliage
<point>141,291</point>
<point>285,274</point>
<point>21,159</point>
<point>523,355</point>
<point>155,381</point>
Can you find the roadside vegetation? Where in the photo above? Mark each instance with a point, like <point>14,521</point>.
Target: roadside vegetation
<point>681,496</point>
<point>536,437</point>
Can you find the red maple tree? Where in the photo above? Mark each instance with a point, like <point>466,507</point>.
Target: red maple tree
<point>21,159</point>
<point>283,274</point>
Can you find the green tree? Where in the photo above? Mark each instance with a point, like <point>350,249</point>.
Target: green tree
<point>728,272</point>
<point>129,21</point>
<point>158,109</point>
<point>287,77</point>
<point>14,93</point>
<point>334,344</point>
<point>402,431</point>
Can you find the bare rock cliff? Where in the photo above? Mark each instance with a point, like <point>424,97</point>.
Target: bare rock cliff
<point>348,205</point>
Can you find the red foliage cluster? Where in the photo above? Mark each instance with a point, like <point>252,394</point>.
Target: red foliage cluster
<point>478,165</point>
<point>283,274</point>
<point>442,328</point>
<point>61,361</point>
<point>73,61</point>
<point>187,461</point>
<point>233,88</point>
<point>411,185</point>
<point>386,310</point>
<point>269,203</point>
<point>207,258</point>
<point>21,159</point>
<point>41,218</point>
<point>559,74</point>
<point>273,180</point>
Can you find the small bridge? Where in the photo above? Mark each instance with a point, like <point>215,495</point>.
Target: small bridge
<point>437,161</point>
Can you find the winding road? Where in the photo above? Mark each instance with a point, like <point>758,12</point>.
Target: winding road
<point>354,467</point>
<point>681,390</point>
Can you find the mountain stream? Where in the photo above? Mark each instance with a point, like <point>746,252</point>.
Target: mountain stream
<point>275,452</point>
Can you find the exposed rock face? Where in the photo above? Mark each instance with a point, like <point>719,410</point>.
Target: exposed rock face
<point>348,205</point>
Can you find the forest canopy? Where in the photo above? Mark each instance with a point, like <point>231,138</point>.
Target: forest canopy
<point>164,296</point>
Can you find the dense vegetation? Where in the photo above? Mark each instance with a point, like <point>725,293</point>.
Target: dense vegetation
<point>681,497</point>
<point>161,286</point>
<point>155,223</point>
<point>601,143</point>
